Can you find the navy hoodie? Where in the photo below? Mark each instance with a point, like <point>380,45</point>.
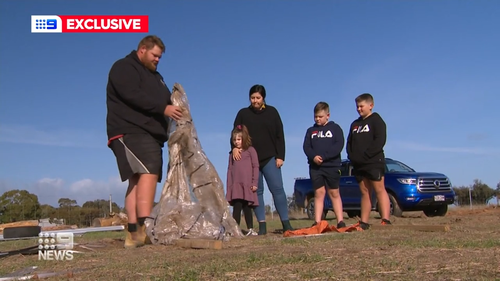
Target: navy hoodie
<point>326,141</point>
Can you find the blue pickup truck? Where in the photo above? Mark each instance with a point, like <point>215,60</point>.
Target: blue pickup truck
<point>408,191</point>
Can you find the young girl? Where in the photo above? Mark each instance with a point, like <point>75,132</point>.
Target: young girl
<point>242,178</point>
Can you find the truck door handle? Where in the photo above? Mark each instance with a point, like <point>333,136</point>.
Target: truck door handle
<point>348,182</point>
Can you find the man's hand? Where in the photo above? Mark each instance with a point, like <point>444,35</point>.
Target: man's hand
<point>318,160</point>
<point>279,163</point>
<point>253,188</point>
<point>173,112</point>
<point>236,154</point>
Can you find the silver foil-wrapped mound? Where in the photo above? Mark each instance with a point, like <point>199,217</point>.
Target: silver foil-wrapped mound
<point>192,202</point>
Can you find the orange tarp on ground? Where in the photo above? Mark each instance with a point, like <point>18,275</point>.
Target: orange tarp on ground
<point>320,228</point>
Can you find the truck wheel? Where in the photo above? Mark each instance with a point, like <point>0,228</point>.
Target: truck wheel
<point>395,209</point>
<point>353,214</point>
<point>436,212</point>
<point>324,215</point>
<point>21,231</point>
<point>310,209</point>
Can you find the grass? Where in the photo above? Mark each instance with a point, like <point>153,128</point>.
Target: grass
<point>468,252</point>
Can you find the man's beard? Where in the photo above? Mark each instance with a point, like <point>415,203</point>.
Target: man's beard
<point>149,65</point>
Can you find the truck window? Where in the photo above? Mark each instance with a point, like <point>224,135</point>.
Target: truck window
<point>393,166</point>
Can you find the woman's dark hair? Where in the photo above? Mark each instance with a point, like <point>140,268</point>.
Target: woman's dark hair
<point>258,89</point>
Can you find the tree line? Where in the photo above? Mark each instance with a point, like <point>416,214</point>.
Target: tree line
<point>19,205</point>
<point>479,192</point>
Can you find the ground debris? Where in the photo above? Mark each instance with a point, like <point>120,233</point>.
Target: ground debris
<point>30,273</point>
<point>453,255</point>
<point>389,272</point>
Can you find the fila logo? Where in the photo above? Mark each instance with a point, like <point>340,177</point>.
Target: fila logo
<point>361,129</point>
<point>320,134</point>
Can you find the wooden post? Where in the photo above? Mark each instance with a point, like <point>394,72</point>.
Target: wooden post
<point>18,223</point>
<point>199,243</point>
<point>432,228</point>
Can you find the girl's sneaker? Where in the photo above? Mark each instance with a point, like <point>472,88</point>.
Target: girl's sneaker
<point>251,232</point>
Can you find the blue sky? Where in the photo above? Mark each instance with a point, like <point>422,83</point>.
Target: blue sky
<point>432,67</point>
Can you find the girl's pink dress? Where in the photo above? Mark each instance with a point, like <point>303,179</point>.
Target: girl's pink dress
<point>241,175</point>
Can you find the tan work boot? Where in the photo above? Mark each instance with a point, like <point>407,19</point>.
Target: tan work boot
<point>132,240</point>
<point>142,236</point>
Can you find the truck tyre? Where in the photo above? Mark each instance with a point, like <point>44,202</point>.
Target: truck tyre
<point>310,209</point>
<point>324,215</point>
<point>395,209</point>
<point>353,214</point>
<point>21,231</point>
<point>439,211</point>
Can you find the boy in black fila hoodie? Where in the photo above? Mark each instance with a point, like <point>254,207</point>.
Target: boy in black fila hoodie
<point>323,144</point>
<point>365,149</point>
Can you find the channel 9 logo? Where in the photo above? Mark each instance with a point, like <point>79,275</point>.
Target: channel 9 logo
<point>46,24</point>
<point>55,246</point>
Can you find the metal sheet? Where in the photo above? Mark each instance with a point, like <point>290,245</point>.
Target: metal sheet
<point>77,231</point>
<point>88,229</point>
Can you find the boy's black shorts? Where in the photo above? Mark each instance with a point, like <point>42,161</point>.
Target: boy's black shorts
<point>329,177</point>
<point>372,174</point>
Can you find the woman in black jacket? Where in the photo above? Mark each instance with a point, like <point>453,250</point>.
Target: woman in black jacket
<point>266,131</point>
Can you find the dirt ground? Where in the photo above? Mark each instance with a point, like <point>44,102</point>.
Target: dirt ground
<point>469,251</point>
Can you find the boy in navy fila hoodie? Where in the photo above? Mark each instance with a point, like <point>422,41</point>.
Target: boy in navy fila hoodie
<point>323,144</point>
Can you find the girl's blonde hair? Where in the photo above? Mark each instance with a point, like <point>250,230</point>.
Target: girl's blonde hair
<point>245,137</point>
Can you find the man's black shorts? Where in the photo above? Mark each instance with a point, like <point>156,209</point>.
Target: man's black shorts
<point>137,154</point>
<point>372,174</point>
<point>329,177</point>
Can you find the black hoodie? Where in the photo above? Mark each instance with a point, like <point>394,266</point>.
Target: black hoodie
<point>266,131</point>
<point>326,141</point>
<point>366,141</point>
<point>136,98</point>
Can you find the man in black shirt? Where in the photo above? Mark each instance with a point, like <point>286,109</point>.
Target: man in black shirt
<point>138,102</point>
<point>365,149</point>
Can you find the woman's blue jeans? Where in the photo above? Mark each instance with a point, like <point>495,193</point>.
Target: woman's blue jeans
<point>274,181</point>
